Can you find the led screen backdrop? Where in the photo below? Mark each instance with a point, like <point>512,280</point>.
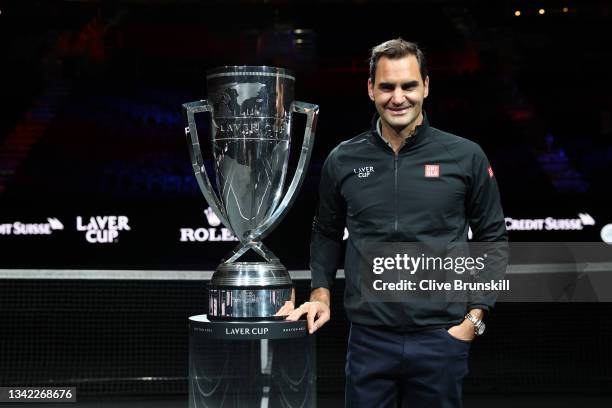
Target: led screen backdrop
<point>94,170</point>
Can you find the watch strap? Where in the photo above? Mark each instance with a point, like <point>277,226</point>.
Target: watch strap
<point>476,322</point>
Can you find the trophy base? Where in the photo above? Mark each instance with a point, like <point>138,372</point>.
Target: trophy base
<point>251,364</point>
<point>248,291</point>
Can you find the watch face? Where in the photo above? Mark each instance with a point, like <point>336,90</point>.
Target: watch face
<point>480,329</point>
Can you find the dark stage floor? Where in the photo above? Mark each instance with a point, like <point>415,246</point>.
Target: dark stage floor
<point>337,400</point>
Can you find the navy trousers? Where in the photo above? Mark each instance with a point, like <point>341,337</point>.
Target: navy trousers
<point>412,370</point>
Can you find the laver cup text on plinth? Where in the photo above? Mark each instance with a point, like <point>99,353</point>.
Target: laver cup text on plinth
<point>251,109</point>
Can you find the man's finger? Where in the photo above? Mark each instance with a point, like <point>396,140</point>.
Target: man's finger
<point>323,318</point>
<point>297,313</point>
<point>286,309</point>
<point>283,311</point>
<point>312,313</point>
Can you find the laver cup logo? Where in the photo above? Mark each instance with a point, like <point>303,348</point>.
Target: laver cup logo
<point>363,172</point>
<point>245,331</point>
<point>102,229</point>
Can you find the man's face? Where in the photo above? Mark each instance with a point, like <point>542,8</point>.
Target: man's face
<point>398,91</point>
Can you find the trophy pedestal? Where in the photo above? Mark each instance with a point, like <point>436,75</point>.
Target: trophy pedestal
<point>251,364</point>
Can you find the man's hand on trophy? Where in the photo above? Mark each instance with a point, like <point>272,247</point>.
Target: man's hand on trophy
<point>317,310</point>
<point>287,309</point>
<point>317,313</point>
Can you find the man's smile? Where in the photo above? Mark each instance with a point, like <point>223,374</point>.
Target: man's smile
<point>398,111</point>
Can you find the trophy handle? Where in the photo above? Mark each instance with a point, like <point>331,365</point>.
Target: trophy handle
<point>312,113</point>
<point>193,144</point>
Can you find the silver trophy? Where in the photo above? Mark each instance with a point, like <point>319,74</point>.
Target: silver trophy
<point>251,108</point>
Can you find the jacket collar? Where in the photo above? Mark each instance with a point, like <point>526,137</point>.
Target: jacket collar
<point>416,138</point>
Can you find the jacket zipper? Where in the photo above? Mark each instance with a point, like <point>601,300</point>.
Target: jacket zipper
<point>395,159</point>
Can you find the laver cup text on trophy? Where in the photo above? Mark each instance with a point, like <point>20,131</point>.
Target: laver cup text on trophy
<point>251,109</point>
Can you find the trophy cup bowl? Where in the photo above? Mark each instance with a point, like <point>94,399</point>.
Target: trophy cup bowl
<point>251,109</point>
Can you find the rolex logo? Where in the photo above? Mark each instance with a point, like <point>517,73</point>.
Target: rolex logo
<point>212,218</point>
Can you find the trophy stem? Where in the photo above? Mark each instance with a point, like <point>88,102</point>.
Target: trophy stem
<point>256,246</point>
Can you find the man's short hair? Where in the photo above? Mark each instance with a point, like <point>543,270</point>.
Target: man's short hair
<point>396,49</point>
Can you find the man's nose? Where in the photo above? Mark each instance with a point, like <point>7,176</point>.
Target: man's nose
<point>398,96</point>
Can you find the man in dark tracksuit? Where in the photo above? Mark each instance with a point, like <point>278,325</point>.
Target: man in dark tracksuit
<point>402,181</point>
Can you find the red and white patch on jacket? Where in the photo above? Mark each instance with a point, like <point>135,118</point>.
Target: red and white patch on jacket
<point>432,170</point>
<point>490,170</point>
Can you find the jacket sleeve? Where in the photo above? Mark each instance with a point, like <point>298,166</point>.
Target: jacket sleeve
<point>486,219</point>
<point>327,228</point>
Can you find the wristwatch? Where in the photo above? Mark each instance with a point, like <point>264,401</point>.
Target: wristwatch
<point>479,326</point>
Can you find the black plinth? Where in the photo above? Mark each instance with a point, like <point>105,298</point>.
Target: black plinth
<point>251,364</point>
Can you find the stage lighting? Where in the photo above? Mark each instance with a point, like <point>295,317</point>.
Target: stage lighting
<point>565,9</point>
<point>517,13</point>
<point>541,11</point>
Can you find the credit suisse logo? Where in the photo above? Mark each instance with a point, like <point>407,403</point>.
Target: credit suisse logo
<point>550,223</point>
<point>32,228</point>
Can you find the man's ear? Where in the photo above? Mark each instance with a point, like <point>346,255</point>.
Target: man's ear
<point>426,86</point>
<point>370,89</point>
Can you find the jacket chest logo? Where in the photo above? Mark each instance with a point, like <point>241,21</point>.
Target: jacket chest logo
<point>432,170</point>
<point>363,172</point>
